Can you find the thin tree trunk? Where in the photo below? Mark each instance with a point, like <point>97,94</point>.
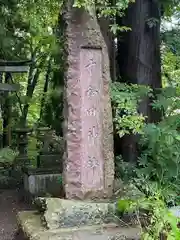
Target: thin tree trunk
<point>32,82</point>
<point>46,83</point>
<point>6,116</point>
<point>29,94</point>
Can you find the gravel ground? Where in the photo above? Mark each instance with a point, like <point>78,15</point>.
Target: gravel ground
<point>10,204</point>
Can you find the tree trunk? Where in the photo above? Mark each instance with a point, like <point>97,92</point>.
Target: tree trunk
<point>45,89</point>
<point>104,24</point>
<point>139,54</point>
<point>32,82</point>
<point>6,116</point>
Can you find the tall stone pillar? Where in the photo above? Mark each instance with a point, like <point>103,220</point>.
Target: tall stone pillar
<point>88,131</point>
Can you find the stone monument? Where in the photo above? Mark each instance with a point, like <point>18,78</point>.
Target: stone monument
<point>89,163</point>
<point>89,160</point>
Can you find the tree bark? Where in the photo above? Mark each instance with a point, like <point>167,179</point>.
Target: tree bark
<point>32,82</point>
<point>45,89</point>
<point>29,94</point>
<point>139,55</point>
<point>141,58</point>
<point>104,24</point>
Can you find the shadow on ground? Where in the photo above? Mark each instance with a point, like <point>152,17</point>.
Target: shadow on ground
<point>10,204</point>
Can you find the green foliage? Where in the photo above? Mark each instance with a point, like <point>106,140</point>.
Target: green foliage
<point>171,7</point>
<point>7,156</point>
<point>125,99</point>
<point>159,144</point>
<point>161,158</point>
<point>125,205</point>
<point>153,216</point>
<point>8,23</point>
<point>53,109</point>
<point>60,180</point>
<point>32,29</point>
<point>124,170</point>
<point>107,9</point>
<point>40,17</point>
<point>156,172</point>
<point>115,28</point>
<point>32,150</point>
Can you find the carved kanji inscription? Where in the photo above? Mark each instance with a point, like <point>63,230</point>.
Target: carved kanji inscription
<point>91,114</point>
<point>91,63</point>
<point>91,92</point>
<point>92,135</point>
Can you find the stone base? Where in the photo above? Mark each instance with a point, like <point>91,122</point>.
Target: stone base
<point>30,223</point>
<point>43,183</point>
<point>48,160</point>
<point>63,213</point>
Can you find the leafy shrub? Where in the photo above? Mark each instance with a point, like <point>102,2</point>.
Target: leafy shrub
<point>125,99</point>
<point>152,214</point>
<point>160,159</point>
<point>7,156</point>
<point>156,172</point>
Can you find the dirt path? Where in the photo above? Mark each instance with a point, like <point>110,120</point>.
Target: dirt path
<point>9,206</point>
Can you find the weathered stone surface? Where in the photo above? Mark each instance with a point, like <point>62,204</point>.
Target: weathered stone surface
<point>113,234</point>
<point>30,223</point>
<point>89,160</point>
<point>68,213</point>
<point>42,184</point>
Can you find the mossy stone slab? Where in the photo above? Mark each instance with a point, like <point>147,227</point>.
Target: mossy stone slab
<point>30,223</point>
<point>59,213</point>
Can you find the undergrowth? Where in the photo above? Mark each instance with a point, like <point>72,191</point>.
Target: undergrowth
<point>156,173</point>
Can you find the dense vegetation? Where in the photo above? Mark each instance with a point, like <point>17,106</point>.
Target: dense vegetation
<point>145,87</point>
